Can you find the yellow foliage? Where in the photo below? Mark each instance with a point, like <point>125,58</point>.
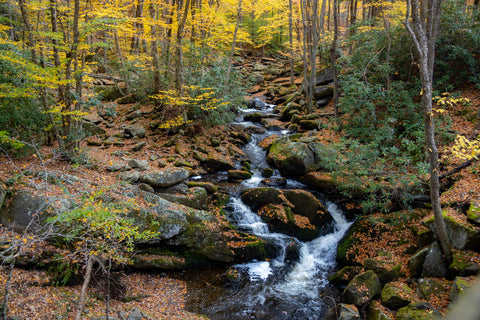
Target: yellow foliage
<point>465,149</point>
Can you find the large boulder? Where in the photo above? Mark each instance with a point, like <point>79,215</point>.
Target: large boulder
<point>132,131</point>
<point>415,263</point>
<point>343,311</point>
<point>292,158</point>
<point>386,267</point>
<point>434,265</point>
<point>462,235</point>
<point>219,163</point>
<point>460,285</point>
<point>196,197</point>
<point>418,310</point>
<point>376,311</point>
<point>294,212</point>
<point>167,177</point>
<point>362,288</point>
<point>396,295</point>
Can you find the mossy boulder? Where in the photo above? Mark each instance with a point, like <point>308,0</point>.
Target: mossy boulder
<point>464,263</point>
<point>431,287</point>
<point>376,311</point>
<point>210,187</point>
<point>343,311</point>
<point>345,275</point>
<point>396,295</point>
<point>462,235</point>
<point>291,158</point>
<point>415,263</point>
<point>306,204</point>
<point>473,213</point>
<point>434,265</point>
<point>418,311</point>
<point>362,288</point>
<point>195,197</point>
<point>387,268</point>
<point>218,162</point>
<point>345,253</point>
<point>239,175</point>
<point>256,198</point>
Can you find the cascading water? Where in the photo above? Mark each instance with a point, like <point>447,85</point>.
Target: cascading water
<point>277,289</point>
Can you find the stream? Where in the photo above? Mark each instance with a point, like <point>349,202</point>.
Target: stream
<point>286,287</point>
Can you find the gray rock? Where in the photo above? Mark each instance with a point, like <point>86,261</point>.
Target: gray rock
<point>396,295</point>
<point>434,265</point>
<point>92,129</point>
<point>291,158</point>
<point>459,286</point>
<point>132,131</point>
<point>420,310</point>
<point>167,177</point>
<point>217,163</point>
<point>195,197</point>
<point>146,187</point>
<point>415,263</point>
<point>3,193</point>
<point>139,164</point>
<point>135,315</point>
<point>93,118</point>
<point>139,146</point>
<point>118,167</point>
<point>343,312</point>
<point>132,176</point>
<point>323,92</point>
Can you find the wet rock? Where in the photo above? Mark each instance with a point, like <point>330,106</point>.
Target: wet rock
<point>253,117</point>
<point>218,163</point>
<point>323,92</point>
<point>420,310</point>
<point>132,176</point>
<point>343,276</point>
<point>139,164</point>
<point>306,204</point>
<point>267,172</point>
<point>275,182</point>
<point>243,137</point>
<point>362,288</point>
<point>291,158</point>
<point>309,124</point>
<point>132,131</point>
<point>273,124</point>
<point>434,265</point>
<point>376,311</point>
<point>210,187</point>
<point>257,103</point>
<point>396,295</point>
<point>239,175</point>
<point>255,130</point>
<point>167,177</point>
<point>343,312</point>
<point>290,109</point>
<point>258,197</point>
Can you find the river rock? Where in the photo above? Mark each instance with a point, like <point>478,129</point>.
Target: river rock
<point>239,175</point>
<point>210,187</point>
<point>376,311</point>
<point>291,158</point>
<point>419,310</point>
<point>343,276</point>
<point>273,124</point>
<point>167,177</point>
<point>289,110</point>
<point>219,163</point>
<point>306,204</point>
<point>274,181</point>
<point>396,295</point>
<point>322,92</point>
<point>362,288</point>
<point>259,197</point>
<point>253,117</point>
<point>343,311</point>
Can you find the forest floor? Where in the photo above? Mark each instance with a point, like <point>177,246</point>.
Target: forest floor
<point>166,295</point>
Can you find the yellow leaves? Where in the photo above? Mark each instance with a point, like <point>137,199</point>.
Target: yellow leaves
<point>465,149</point>
<point>447,100</point>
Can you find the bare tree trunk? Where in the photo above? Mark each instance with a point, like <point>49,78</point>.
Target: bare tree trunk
<point>86,282</point>
<point>154,48</point>
<point>290,38</point>
<point>234,41</point>
<point>6,295</point>
<point>333,53</point>
<point>179,76</point>
<point>122,62</point>
<point>424,30</point>
<point>28,30</point>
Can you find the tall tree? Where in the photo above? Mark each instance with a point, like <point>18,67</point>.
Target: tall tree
<point>421,21</point>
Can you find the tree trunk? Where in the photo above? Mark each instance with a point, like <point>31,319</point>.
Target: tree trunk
<point>154,48</point>
<point>424,32</point>
<point>333,53</point>
<point>234,42</point>
<point>290,39</point>
<point>86,282</point>
<point>182,19</point>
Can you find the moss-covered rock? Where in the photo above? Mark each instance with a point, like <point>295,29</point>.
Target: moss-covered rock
<point>462,235</point>
<point>418,311</point>
<point>415,263</point>
<point>291,158</point>
<point>464,263</point>
<point>345,255</point>
<point>387,268</point>
<point>362,288</point>
<point>428,288</point>
<point>258,197</point>
<point>345,275</point>
<point>210,187</point>
<point>376,311</point>
<point>218,163</point>
<point>343,311</point>
<point>473,213</point>
<point>396,295</point>
<point>195,198</point>
<point>167,177</point>
<point>239,175</point>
